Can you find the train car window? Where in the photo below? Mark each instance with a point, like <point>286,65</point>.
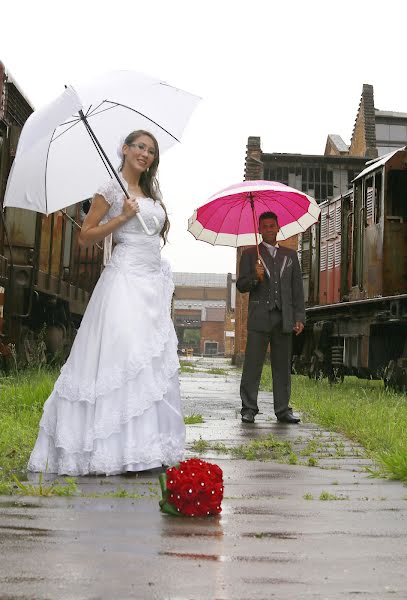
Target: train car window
<point>397,187</point>
<point>378,185</point>
<point>368,199</point>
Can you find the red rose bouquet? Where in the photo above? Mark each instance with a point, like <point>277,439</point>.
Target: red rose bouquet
<point>193,488</point>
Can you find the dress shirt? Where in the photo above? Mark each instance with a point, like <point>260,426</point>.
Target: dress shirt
<point>271,249</point>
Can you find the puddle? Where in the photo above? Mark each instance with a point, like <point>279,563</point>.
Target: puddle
<point>271,581</point>
<point>280,535</point>
<point>16,580</point>
<point>189,534</point>
<point>224,558</point>
<point>16,504</point>
<point>11,515</point>
<point>253,510</point>
<point>30,531</point>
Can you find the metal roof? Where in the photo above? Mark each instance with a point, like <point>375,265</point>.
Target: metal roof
<point>218,280</point>
<point>339,143</point>
<point>389,113</point>
<point>379,163</point>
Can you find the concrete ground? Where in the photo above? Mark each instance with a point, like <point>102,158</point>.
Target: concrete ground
<point>274,539</point>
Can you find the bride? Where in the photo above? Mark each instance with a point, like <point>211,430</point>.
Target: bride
<point>116,405</point>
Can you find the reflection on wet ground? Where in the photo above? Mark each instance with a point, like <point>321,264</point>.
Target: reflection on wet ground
<point>18,504</point>
<point>224,558</point>
<point>189,534</point>
<point>280,535</point>
<point>269,542</point>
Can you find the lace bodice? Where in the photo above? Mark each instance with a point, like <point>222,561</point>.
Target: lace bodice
<point>131,232</point>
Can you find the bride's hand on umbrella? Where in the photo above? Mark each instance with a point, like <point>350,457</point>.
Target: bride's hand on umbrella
<point>130,207</point>
<point>259,271</point>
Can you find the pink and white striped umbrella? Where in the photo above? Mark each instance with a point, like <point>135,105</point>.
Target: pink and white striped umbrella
<point>227,218</point>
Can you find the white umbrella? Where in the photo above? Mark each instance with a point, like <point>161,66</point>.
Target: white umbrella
<point>57,164</point>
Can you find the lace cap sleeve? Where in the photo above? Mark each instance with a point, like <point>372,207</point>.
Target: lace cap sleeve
<point>107,191</point>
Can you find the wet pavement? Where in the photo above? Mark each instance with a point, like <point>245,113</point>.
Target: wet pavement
<point>274,539</point>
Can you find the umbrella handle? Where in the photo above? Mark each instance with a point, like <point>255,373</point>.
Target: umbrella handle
<point>146,230</point>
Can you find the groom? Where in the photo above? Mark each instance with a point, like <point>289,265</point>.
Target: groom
<point>276,309</point>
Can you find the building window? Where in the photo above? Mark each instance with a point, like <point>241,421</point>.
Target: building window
<point>276,174</point>
<point>211,348</point>
<point>318,182</point>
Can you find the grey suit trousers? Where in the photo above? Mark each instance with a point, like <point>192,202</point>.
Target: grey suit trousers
<point>280,356</point>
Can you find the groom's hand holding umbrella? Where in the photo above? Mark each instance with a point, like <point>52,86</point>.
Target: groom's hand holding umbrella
<point>259,271</point>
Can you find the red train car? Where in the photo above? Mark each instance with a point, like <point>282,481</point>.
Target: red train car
<point>355,278</point>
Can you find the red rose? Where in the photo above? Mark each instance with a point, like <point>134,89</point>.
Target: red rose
<point>172,478</point>
<point>188,490</point>
<point>190,510</point>
<point>215,472</point>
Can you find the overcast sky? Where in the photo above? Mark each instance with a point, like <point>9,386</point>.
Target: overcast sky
<point>289,72</point>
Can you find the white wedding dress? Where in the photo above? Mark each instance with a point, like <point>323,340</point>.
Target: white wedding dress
<point>116,405</point>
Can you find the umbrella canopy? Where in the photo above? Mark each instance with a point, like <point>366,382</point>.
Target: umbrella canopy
<point>230,218</point>
<point>57,164</point>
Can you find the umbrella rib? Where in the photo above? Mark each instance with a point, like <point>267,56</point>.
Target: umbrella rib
<point>292,200</point>
<point>87,113</point>
<point>233,202</point>
<point>148,118</point>
<point>236,203</point>
<point>115,105</point>
<point>93,112</point>
<point>45,174</point>
<point>75,122</point>
<point>66,130</point>
<point>244,203</point>
<point>220,226</point>
<point>206,227</point>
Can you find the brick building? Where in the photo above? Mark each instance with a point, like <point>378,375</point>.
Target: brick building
<point>325,176</point>
<point>203,313</point>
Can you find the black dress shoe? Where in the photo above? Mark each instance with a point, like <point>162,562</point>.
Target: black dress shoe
<point>248,417</point>
<point>288,418</point>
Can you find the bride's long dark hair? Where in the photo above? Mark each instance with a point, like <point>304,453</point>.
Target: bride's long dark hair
<point>148,179</point>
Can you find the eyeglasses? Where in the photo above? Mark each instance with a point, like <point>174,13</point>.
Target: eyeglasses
<point>143,147</point>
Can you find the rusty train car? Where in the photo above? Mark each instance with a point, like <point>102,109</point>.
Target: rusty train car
<point>354,264</point>
<point>45,277</point>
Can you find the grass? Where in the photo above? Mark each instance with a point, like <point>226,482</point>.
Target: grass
<point>363,410</point>
<point>326,496</point>
<point>193,419</point>
<point>216,371</point>
<point>267,448</point>
<point>21,402</point>
<point>187,369</point>
<point>200,446</point>
<point>68,488</point>
<point>186,363</point>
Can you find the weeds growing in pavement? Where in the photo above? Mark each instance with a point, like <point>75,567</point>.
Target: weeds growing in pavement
<point>267,448</point>
<point>200,446</point>
<point>362,410</point>
<point>327,496</point>
<point>187,369</point>
<point>193,419</point>
<point>68,488</point>
<point>216,371</point>
<point>187,363</point>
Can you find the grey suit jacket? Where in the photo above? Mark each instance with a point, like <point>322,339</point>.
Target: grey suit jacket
<point>292,291</point>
